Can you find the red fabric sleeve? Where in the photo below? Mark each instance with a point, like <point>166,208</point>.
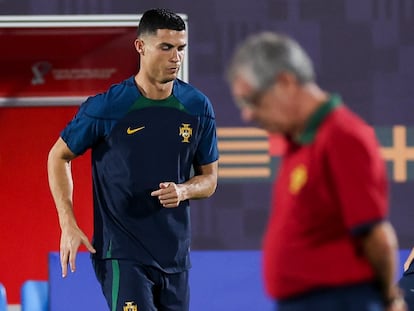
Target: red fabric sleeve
<point>359,175</point>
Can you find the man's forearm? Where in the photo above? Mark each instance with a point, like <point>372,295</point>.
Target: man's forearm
<point>203,184</point>
<point>61,185</point>
<point>380,247</point>
<point>199,187</point>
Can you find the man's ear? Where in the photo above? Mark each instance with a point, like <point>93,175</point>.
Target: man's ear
<point>286,78</point>
<point>139,46</point>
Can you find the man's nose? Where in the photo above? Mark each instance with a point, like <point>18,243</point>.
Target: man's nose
<point>175,57</point>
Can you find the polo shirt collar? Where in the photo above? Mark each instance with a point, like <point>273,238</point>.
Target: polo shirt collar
<point>317,118</point>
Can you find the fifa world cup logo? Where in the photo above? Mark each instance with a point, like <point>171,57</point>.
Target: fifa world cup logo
<point>39,70</point>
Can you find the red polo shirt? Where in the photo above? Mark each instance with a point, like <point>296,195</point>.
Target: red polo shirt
<point>331,186</point>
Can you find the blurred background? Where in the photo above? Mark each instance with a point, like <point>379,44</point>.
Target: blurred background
<point>362,50</point>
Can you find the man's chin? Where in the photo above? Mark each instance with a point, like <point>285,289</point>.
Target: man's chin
<point>169,79</point>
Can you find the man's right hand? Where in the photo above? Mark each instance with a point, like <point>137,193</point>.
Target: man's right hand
<point>70,240</point>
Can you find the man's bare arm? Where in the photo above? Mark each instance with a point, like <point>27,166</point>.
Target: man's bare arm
<point>61,187</point>
<point>380,246</point>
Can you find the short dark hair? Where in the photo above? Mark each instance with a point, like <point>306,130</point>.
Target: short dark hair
<point>155,19</point>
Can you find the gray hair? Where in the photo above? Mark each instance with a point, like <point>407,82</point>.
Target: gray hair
<point>262,57</point>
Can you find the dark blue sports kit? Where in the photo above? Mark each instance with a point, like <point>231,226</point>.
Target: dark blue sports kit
<point>137,143</point>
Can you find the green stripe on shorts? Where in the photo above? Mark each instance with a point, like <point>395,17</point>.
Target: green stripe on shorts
<point>115,283</point>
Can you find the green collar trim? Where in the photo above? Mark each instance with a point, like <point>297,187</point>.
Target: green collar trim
<point>316,119</point>
<point>170,102</point>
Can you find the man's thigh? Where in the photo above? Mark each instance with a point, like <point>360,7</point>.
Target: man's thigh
<point>174,294</point>
<point>128,286</point>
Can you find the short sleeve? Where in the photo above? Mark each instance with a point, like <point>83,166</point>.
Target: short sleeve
<point>359,175</point>
<point>207,151</point>
<point>82,132</point>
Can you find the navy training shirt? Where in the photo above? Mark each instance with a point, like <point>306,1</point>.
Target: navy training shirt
<point>137,143</point>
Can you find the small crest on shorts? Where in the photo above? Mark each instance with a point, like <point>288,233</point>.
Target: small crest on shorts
<point>130,306</point>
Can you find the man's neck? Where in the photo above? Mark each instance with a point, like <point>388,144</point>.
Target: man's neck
<point>311,98</point>
<point>153,89</point>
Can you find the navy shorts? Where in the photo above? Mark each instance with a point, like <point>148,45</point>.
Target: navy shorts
<point>128,286</point>
<point>361,297</point>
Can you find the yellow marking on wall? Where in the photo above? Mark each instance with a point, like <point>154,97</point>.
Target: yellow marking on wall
<point>244,153</point>
<point>234,141</point>
<point>248,172</point>
<point>243,145</point>
<point>241,132</point>
<point>244,158</point>
<point>399,153</point>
